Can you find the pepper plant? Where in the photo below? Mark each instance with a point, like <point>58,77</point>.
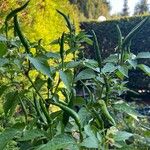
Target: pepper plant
<point>35,79</point>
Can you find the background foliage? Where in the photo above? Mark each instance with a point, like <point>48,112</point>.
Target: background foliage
<point>93,9</point>
<point>107,36</point>
<point>141,7</point>
<point>40,20</point>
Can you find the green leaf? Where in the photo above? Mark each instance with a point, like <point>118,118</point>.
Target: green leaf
<point>85,74</point>
<point>145,68</point>
<point>143,55</point>
<point>88,41</point>
<point>31,135</point>
<point>2,89</point>
<point>10,103</point>
<point>83,37</point>
<point>123,71</point>
<point>72,50</point>
<point>124,146</point>
<point>58,142</point>
<point>53,55</point>
<point>40,66</point>
<point>9,134</point>
<point>54,42</point>
<point>90,63</point>
<point>2,38</point>
<point>79,101</point>
<point>84,115</point>
<point>111,59</point>
<point>109,68</point>
<point>39,83</point>
<point>73,64</point>
<point>91,141</point>
<point>3,61</point>
<point>122,136</point>
<point>143,140</point>
<point>126,108</point>
<point>6,137</point>
<point>67,78</point>
<point>119,75</point>
<point>3,48</point>
<point>73,147</point>
<point>88,131</point>
<point>133,63</point>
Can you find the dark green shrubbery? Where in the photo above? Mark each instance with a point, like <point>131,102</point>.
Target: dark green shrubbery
<point>106,33</point>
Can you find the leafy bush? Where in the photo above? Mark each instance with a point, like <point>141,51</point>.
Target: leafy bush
<point>106,33</point>
<point>104,120</point>
<point>40,20</point>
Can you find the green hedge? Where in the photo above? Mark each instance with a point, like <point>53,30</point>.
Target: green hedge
<point>107,33</point>
<point>107,36</point>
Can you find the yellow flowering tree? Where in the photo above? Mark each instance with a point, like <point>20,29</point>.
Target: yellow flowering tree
<point>41,20</point>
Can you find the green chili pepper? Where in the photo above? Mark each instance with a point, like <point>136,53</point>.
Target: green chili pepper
<point>45,112</point>
<point>105,112</point>
<point>119,47</point>
<point>12,14</point>
<point>65,118</point>
<point>67,19</point>
<point>70,105</point>
<point>88,90</point>
<point>107,87</point>
<point>49,83</point>
<point>134,31</point>
<point>129,47</point>
<point>24,109</point>
<point>98,117</point>
<point>20,34</point>
<point>38,110</point>
<point>119,37</point>
<point>62,49</point>
<point>98,50</point>
<point>72,113</point>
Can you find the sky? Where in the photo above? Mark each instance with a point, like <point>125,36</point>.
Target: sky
<point>117,5</point>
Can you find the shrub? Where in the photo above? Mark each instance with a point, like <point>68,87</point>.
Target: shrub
<point>106,33</point>
<point>40,20</point>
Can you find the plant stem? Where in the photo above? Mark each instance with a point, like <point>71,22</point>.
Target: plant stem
<point>24,110</point>
<point>107,88</point>
<point>56,88</point>
<point>42,105</point>
<point>34,86</point>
